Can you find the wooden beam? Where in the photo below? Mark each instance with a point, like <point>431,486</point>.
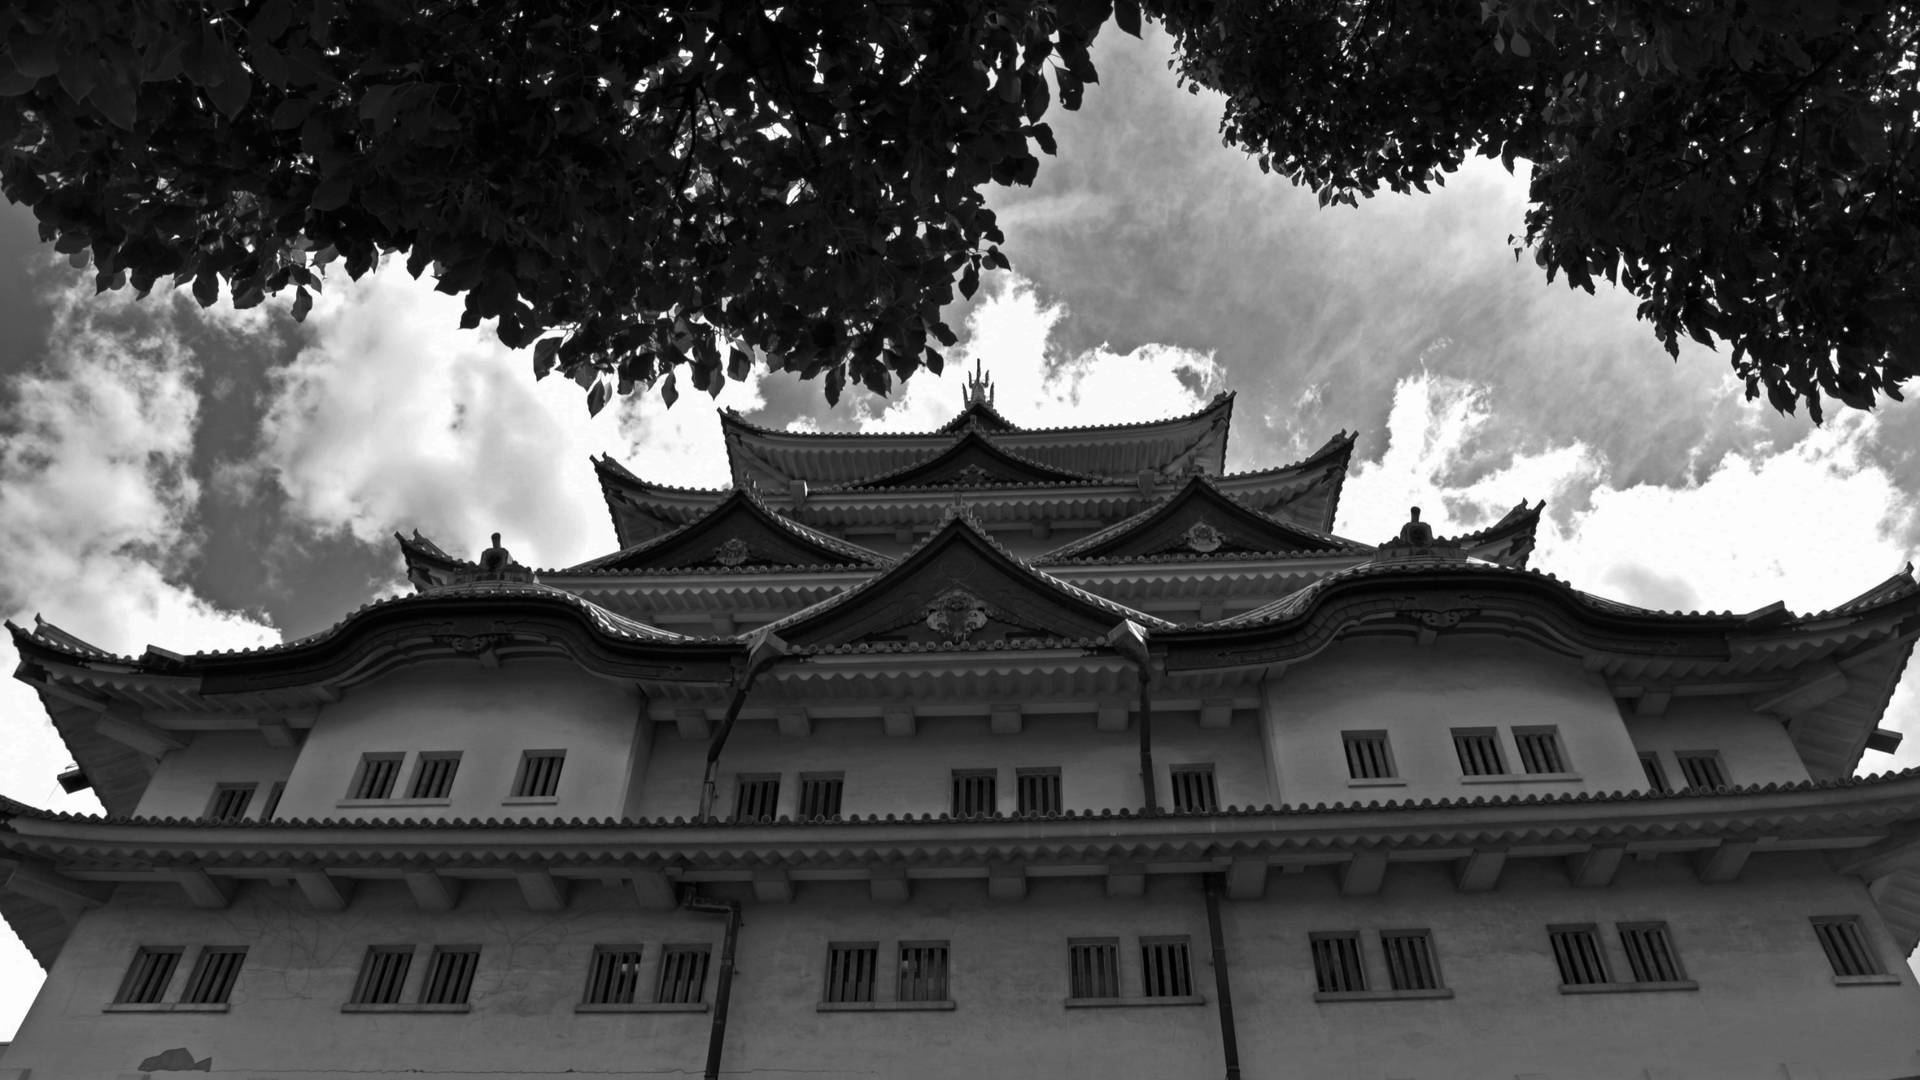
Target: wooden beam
<point>1126,879</point>
<point>1723,862</point>
<point>771,885</point>
<point>1820,683</point>
<point>654,890</point>
<point>898,720</point>
<point>1363,874</point>
<point>889,885</point>
<point>205,890</point>
<point>1005,720</point>
<point>431,891</point>
<point>793,720</point>
<point>1595,866</point>
<point>1480,871</point>
<point>123,725</point>
<point>324,892</point>
<point>1006,881</point>
<point>1247,879</point>
<point>38,881</point>
<point>541,890</point>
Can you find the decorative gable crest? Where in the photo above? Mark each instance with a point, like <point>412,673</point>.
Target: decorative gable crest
<point>956,614</point>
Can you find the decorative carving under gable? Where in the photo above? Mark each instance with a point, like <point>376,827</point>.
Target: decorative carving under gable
<point>956,614</point>
<point>732,552</point>
<point>1201,536</point>
<point>972,476</point>
<point>472,644</point>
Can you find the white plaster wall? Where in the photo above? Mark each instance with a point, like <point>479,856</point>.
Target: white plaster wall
<point>490,715</point>
<point>183,784</point>
<point>1755,749</point>
<point>1418,694</point>
<point>912,774</point>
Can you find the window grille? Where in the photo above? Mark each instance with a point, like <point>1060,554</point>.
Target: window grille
<point>382,975</point>
<point>1039,790</point>
<point>850,971</point>
<point>272,805</point>
<point>1410,963</point>
<point>1656,774</point>
<point>433,776</point>
<point>923,971</point>
<point>1540,750</point>
<point>1702,769</point>
<point>374,779</point>
<point>1577,950</point>
<point>450,975</point>
<point>1479,752</point>
<point>1845,942</point>
<point>1093,968</point>
<point>1650,954</point>
<point>539,776</point>
<point>230,802</point>
<point>756,796</point>
<point>1165,968</point>
<point>1367,755</point>
<point>614,977</point>
<point>148,976</point>
<point>213,976</point>
<point>683,975</point>
<point>820,794</point>
<point>973,792</point>
<point>1193,789</point>
<point>1336,963</point>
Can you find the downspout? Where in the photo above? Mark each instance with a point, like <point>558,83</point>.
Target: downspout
<point>763,648</point>
<point>723,992</point>
<point>1229,1044</point>
<point>1131,642</point>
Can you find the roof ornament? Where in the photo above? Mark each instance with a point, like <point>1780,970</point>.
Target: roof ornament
<point>1416,541</point>
<point>496,564</point>
<point>732,552</point>
<point>979,390</point>
<point>956,614</point>
<point>1203,537</point>
<point>959,507</point>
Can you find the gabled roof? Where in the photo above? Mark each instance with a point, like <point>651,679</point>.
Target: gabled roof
<point>1307,491</point>
<point>1508,541</point>
<point>640,510</point>
<point>978,414</point>
<point>975,461</point>
<point>1198,520</point>
<point>740,531</point>
<point>958,585</point>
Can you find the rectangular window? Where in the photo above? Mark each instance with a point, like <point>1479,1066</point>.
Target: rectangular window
<point>433,776</point>
<point>756,796</point>
<point>1650,954</point>
<point>1410,963</point>
<point>1193,789</point>
<point>230,802</point>
<point>1540,750</point>
<point>374,779</point>
<point>850,971</point>
<point>1577,950</point>
<point>382,975</point>
<point>1093,967</point>
<point>1039,790</point>
<point>820,794</point>
<point>148,976</point>
<point>213,976</point>
<point>923,971</point>
<point>1165,968</point>
<point>539,775</point>
<point>614,977</point>
<point>272,805</point>
<point>1336,963</point>
<point>1479,752</point>
<point>973,792</point>
<point>1367,757</point>
<point>1702,769</point>
<point>1845,942</point>
<point>683,975</point>
<point>450,975</point>
<point>1656,775</point>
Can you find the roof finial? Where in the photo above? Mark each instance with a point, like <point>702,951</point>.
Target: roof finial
<point>979,389</point>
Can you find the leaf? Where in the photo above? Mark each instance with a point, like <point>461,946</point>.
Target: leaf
<point>1519,45</point>
<point>117,100</point>
<point>739,363</point>
<point>970,281</point>
<point>291,113</point>
<point>333,192</point>
<point>231,93</point>
<point>597,397</point>
<point>1126,15</point>
<point>302,303</point>
<point>669,392</point>
<point>1043,135</point>
<point>544,356</point>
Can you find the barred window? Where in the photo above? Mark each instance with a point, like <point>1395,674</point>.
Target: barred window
<point>148,976</point>
<point>272,805</point>
<point>1193,789</point>
<point>1039,790</point>
<point>450,975</point>
<point>1410,964</point>
<point>1845,943</point>
<point>1336,963</point>
<point>539,775</point>
<point>923,971</point>
<point>1540,750</point>
<point>1165,967</point>
<point>1367,757</point>
<point>1577,950</point>
<point>1093,968</point>
<point>614,976</point>
<point>433,776</point>
<point>973,792</point>
<point>1656,774</point>
<point>756,796</point>
<point>683,975</point>
<point>213,976</point>
<point>1650,954</point>
<point>1702,769</point>
<point>820,794</point>
<point>382,974</point>
<point>1479,752</point>
<point>850,971</point>
<point>375,776</point>
<point>230,802</point>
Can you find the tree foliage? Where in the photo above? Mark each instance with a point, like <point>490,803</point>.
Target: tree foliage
<point>637,189</point>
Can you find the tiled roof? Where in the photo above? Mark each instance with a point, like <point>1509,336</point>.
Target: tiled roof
<point>806,534</point>
<point>732,417</point>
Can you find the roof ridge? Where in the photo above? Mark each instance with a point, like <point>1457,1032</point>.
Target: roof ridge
<point>1225,398</point>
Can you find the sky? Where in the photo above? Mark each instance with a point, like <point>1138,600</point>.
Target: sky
<point>214,479</point>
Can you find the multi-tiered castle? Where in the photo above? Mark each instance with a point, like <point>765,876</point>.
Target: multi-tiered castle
<point>987,751</point>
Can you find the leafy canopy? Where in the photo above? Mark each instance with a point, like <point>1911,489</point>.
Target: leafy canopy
<point>640,189</point>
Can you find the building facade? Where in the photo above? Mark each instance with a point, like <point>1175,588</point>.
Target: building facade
<point>985,751</point>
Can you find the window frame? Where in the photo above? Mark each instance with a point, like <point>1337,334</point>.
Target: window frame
<point>1590,933</point>
<point>434,986</point>
<point>356,787</point>
<point>811,784</point>
<point>363,982</point>
<point>1656,933</point>
<point>1380,739</point>
<point>1554,745</point>
<point>420,775</point>
<point>527,773</point>
<point>1323,946</point>
<point>1180,976</point>
<point>1106,970</point>
<point>1428,954</point>
<point>992,799</point>
<point>943,981</point>
<point>226,788</point>
<point>1211,788</point>
<point>1055,789</point>
<point>673,959</point>
<point>1714,759</point>
<point>757,786</point>
<point>614,978</point>
<point>1656,773</point>
<point>151,995</point>
<point>1856,928</point>
<point>1493,745</point>
<point>194,993</point>
<point>833,992</point>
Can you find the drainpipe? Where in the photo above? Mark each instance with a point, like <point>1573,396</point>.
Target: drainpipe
<point>723,992</point>
<point>1229,1044</point>
<point>763,648</point>
<point>1131,641</point>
